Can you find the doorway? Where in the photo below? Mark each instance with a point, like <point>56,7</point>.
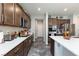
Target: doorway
<point>39,28</point>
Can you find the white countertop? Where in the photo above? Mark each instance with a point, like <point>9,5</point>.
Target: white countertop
<point>9,45</point>
<point>72,44</point>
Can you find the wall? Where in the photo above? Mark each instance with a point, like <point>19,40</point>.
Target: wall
<point>76,22</point>
<point>9,29</point>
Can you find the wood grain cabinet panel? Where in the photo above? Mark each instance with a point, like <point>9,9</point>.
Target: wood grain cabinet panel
<point>22,49</point>
<point>52,46</point>
<point>29,22</point>
<point>1,19</point>
<point>25,20</point>
<point>54,21</point>
<point>18,15</point>
<point>12,13</point>
<point>8,13</point>
<point>26,45</point>
<point>28,25</point>
<point>50,21</point>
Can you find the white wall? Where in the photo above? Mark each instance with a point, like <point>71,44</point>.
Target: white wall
<point>9,29</point>
<point>76,22</point>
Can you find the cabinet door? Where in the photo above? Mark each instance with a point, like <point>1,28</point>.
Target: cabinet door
<point>26,45</point>
<point>50,21</point>
<point>28,22</point>
<point>8,13</point>
<point>18,13</point>
<point>54,21</point>
<point>25,20</point>
<point>52,47</point>
<point>20,49</point>
<point>1,20</point>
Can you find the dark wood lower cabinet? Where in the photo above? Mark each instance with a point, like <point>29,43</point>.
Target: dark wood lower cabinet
<point>51,42</point>
<point>22,49</point>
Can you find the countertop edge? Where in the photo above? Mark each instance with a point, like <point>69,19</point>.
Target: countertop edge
<point>15,46</point>
<point>64,46</point>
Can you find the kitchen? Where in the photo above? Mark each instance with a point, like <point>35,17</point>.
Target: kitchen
<point>20,22</point>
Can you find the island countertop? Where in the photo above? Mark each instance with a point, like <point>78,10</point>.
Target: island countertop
<point>72,44</point>
<point>9,45</point>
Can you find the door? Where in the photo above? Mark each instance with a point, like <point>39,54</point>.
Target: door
<point>1,20</point>
<point>8,13</point>
<point>39,28</point>
<point>18,15</point>
<point>50,21</point>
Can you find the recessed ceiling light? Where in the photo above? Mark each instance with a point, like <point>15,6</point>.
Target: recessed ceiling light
<point>65,9</point>
<point>39,9</point>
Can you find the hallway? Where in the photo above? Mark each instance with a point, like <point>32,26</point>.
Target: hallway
<point>39,48</point>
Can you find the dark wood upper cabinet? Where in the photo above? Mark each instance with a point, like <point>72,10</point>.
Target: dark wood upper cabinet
<point>1,19</point>
<point>29,22</point>
<point>8,11</point>
<point>50,21</point>
<point>18,15</point>
<point>26,21</point>
<point>11,14</point>
<point>55,21</point>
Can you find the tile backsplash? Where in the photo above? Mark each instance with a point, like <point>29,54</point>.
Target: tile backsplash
<point>6,29</point>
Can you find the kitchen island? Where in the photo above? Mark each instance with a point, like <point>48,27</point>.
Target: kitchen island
<point>71,45</point>
<point>14,47</point>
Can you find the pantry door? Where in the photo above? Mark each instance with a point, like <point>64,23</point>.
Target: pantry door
<point>39,28</point>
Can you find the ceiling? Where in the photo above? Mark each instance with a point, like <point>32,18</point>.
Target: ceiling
<point>55,9</point>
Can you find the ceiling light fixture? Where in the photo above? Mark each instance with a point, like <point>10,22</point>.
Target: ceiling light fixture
<point>39,9</point>
<point>65,9</point>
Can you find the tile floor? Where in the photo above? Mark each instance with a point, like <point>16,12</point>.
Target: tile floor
<point>39,48</point>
